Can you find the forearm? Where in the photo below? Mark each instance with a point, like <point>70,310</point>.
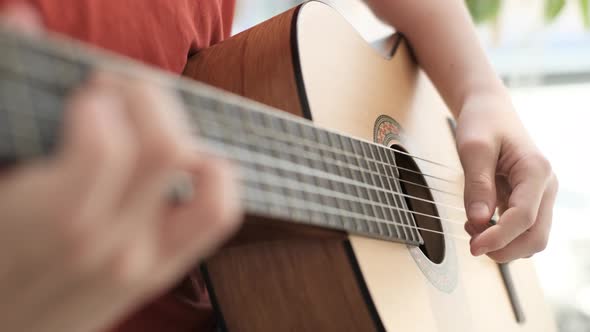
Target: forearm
<point>445,43</point>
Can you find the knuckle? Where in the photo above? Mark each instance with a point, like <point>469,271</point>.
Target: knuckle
<point>526,219</point>
<point>481,181</point>
<point>539,162</point>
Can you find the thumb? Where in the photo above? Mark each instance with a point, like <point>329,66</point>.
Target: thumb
<point>479,159</point>
<point>22,17</point>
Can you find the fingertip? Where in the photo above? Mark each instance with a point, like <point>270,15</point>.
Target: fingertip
<point>470,229</point>
<point>480,244</point>
<point>479,251</point>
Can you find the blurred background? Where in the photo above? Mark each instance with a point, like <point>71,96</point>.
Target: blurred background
<point>542,51</point>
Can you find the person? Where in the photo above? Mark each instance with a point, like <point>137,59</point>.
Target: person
<point>78,258</point>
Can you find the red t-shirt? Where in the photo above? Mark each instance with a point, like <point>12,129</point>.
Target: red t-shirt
<point>162,33</point>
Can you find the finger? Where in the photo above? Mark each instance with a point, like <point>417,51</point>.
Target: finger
<point>479,158</point>
<point>470,228</point>
<point>91,169</point>
<point>474,228</point>
<point>22,17</point>
<point>193,230</point>
<point>162,143</point>
<point>535,239</point>
<point>99,146</point>
<point>529,178</point>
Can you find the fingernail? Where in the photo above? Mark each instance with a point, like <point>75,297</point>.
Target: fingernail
<point>481,251</point>
<point>479,210</point>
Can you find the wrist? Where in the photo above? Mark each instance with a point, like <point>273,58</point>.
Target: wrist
<point>486,99</point>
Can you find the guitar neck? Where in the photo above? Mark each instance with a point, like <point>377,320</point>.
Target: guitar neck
<point>289,169</point>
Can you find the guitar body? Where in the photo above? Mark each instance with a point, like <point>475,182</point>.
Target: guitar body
<point>281,277</point>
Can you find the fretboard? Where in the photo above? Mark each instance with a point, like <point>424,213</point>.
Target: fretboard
<point>289,169</point>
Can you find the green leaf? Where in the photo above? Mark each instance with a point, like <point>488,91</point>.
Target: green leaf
<point>552,9</point>
<point>585,13</point>
<point>483,10</point>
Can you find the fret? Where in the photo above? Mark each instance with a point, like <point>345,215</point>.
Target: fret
<point>350,158</point>
<point>339,187</point>
<point>337,146</point>
<point>396,198</point>
<point>388,199</point>
<point>380,210</point>
<point>367,178</point>
<point>304,180</point>
<point>53,71</point>
<point>10,60</point>
<point>319,164</point>
<point>361,191</point>
<point>324,141</point>
<point>330,202</point>
<point>20,116</point>
<point>308,132</point>
<point>373,157</point>
<point>374,197</point>
<point>6,143</point>
<point>293,128</point>
<point>350,219</point>
<point>409,219</point>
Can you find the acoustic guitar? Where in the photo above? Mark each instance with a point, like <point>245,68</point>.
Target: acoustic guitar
<point>353,190</point>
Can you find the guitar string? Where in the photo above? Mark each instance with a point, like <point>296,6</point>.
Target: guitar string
<point>317,145</point>
<point>307,123</point>
<point>236,153</point>
<point>377,174</point>
<point>340,196</point>
<point>268,133</point>
<point>301,169</point>
<point>428,161</point>
<point>316,157</point>
<point>311,206</point>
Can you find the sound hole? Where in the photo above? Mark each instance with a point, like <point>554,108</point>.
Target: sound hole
<point>418,199</point>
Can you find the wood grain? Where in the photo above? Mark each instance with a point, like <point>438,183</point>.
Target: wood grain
<point>257,64</point>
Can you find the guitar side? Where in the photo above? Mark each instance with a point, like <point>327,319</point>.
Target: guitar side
<point>311,63</point>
